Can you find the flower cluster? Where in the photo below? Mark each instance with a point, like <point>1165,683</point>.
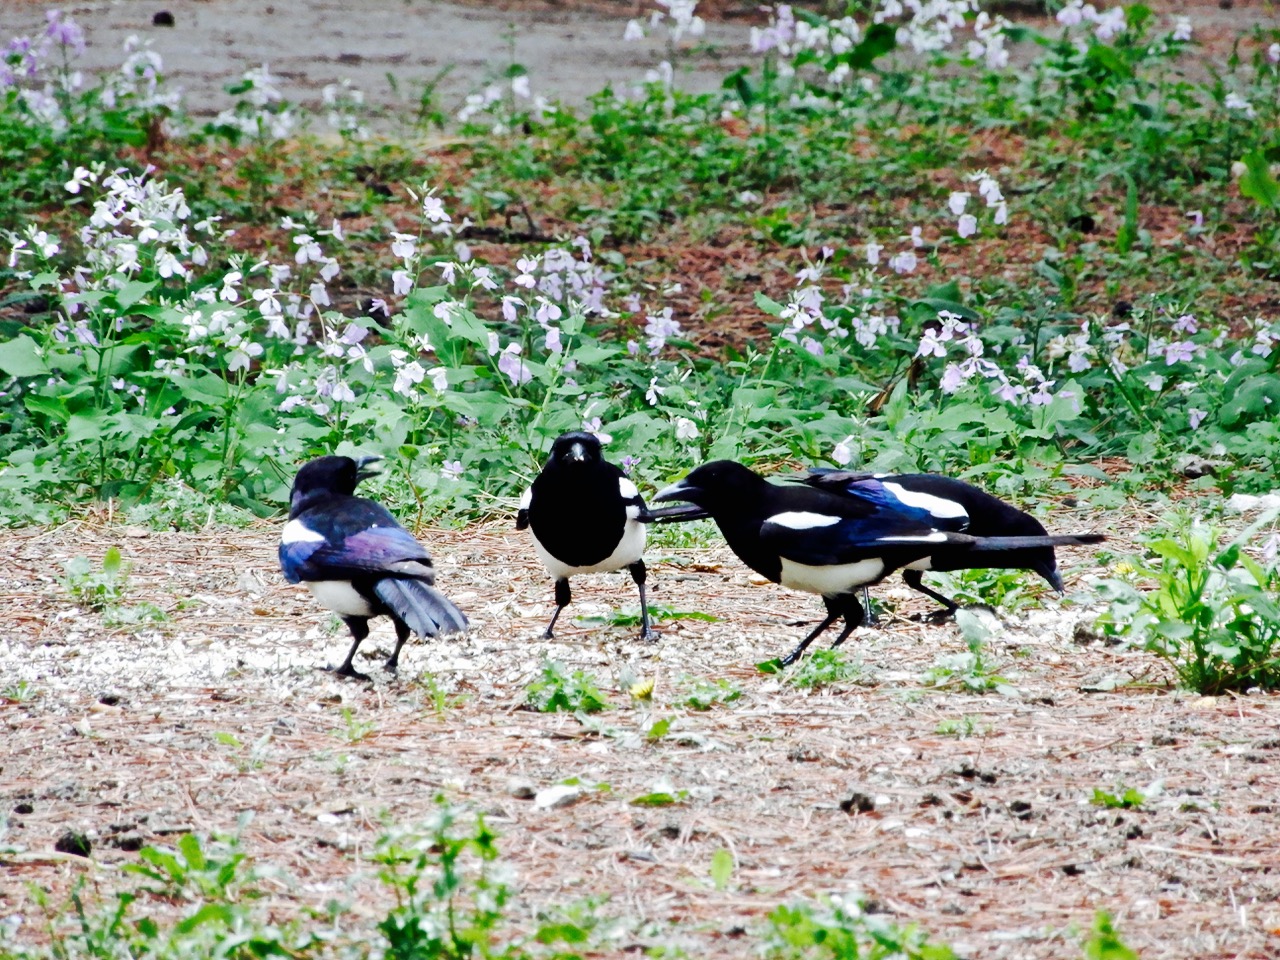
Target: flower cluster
<point>261,112</point>
<point>679,17</point>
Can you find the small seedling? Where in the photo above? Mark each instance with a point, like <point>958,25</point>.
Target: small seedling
<point>97,589</point>
<point>20,692</point>
<point>705,694</point>
<point>823,669</point>
<point>575,692</point>
<point>721,868</point>
<point>354,729</point>
<point>1123,799</point>
<point>961,727</point>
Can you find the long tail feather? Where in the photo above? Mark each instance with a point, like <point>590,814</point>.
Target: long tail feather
<point>1021,543</point>
<point>425,609</point>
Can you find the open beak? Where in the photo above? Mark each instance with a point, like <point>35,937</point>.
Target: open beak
<point>365,469</point>
<point>680,490</point>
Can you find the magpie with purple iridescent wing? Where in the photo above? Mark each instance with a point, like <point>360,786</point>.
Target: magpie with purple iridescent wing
<point>358,561</point>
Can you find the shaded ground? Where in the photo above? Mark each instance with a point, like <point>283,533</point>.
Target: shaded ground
<point>988,840</point>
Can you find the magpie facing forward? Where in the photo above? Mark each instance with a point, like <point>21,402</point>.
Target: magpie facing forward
<point>830,541</point>
<point>587,517</point>
<point>358,561</point>
<point>956,506</point>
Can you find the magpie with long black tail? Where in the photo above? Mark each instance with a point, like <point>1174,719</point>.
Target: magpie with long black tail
<point>833,541</point>
<point>957,506</point>
<point>587,517</point>
<point>358,561</point>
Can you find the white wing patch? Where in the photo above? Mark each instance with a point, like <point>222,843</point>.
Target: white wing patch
<point>937,506</point>
<point>295,531</point>
<point>628,489</point>
<point>922,538</point>
<point>526,499</point>
<point>802,520</point>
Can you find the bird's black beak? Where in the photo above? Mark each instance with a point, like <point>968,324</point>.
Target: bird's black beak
<point>680,490</point>
<point>1055,580</point>
<point>365,469</point>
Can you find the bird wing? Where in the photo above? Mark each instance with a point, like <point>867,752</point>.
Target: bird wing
<point>896,494</point>
<point>817,539</point>
<point>352,538</point>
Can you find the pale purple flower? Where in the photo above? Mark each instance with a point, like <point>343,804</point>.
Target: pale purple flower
<point>1196,417</point>
<point>553,340</point>
<point>401,283</point>
<point>1179,352</point>
<point>628,463</point>
<point>79,178</point>
<point>514,367</point>
<point>812,346</point>
<point>494,344</point>
<point>842,452</point>
<point>1273,53</point>
<point>1234,101</point>
<point>593,426</point>
<point>319,294</point>
<point>526,266</point>
<point>953,378</point>
<point>1186,324</point>
<point>1197,219</point>
<point>433,210</point>
<point>916,239</point>
<point>967,226</point>
<point>1110,24</point>
<point>931,343</point>
<point>308,249</point>
<point>407,376</point>
<point>547,312</point>
<point>1154,383</point>
<point>1271,548</point>
<point>451,470</point>
<point>904,262</point>
<point>873,252</point>
<point>957,201</point>
<point>509,305</point>
<point>1182,29</point>
<point>404,246</point>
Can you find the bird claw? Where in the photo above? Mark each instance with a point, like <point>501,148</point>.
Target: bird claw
<point>649,635</point>
<point>346,670</point>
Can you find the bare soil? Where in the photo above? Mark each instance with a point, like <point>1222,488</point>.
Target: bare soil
<point>988,840</point>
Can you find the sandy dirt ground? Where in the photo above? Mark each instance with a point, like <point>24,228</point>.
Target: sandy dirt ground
<point>571,49</point>
<point>967,813</point>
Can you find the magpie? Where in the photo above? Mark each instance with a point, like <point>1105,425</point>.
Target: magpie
<point>956,506</point>
<point>587,517</point>
<point>830,541</point>
<point>358,561</point>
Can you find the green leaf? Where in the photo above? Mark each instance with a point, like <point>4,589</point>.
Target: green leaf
<point>721,868</point>
<point>21,357</point>
<point>659,799</point>
<point>659,729</point>
<point>133,291</point>
<point>111,562</point>
<point>1258,183</point>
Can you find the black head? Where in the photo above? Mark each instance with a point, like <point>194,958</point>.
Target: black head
<point>330,476</point>
<point>572,449</point>
<point>720,483</point>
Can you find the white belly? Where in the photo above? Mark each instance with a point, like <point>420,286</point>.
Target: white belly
<point>833,580</point>
<point>629,549</point>
<point>924,563</point>
<point>340,597</point>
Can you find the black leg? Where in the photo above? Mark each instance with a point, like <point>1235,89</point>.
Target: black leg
<point>359,627</point>
<point>915,580</point>
<point>562,600</point>
<point>870,618</point>
<point>853,616</point>
<point>833,615</point>
<point>402,634</point>
<point>639,574</point>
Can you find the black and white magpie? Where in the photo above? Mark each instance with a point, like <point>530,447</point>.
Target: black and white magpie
<point>830,541</point>
<point>587,517</point>
<point>957,506</point>
<point>358,561</point>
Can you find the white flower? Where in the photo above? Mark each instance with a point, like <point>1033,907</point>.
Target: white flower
<point>842,453</point>
<point>407,376</point>
<point>439,378</point>
<point>957,201</point>
<point>405,245</point>
<point>686,429</point>
<point>1182,29</point>
<point>873,252</point>
<point>633,32</point>
<point>401,283</point>
<point>967,226</point>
